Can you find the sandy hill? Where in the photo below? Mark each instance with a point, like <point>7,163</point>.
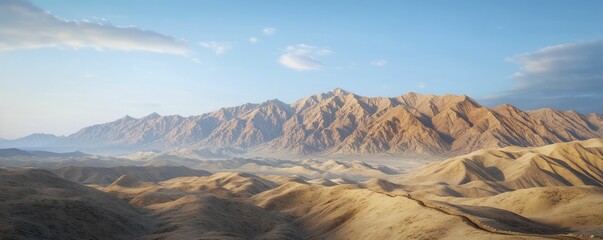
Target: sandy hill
<point>310,168</point>
<point>563,164</point>
<point>343,212</point>
<point>340,122</point>
<point>104,176</point>
<point>206,216</point>
<point>228,184</point>
<point>573,208</point>
<point>352,169</point>
<point>224,184</point>
<point>196,207</point>
<point>210,207</point>
<point>129,181</point>
<point>36,204</point>
<point>129,187</point>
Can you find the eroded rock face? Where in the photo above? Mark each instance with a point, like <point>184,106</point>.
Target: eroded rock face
<point>339,122</point>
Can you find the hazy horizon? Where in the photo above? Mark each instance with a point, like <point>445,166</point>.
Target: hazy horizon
<point>151,113</point>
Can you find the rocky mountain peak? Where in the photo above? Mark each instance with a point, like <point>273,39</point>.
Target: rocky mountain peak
<point>339,92</point>
<point>153,115</point>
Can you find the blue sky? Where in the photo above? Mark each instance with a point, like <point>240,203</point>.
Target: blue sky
<point>65,65</point>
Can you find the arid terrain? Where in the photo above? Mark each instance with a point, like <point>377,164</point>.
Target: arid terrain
<point>548,192</point>
<point>310,120</point>
<point>333,165</point>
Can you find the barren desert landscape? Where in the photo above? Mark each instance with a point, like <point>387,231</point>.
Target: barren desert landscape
<point>310,120</point>
<point>548,192</point>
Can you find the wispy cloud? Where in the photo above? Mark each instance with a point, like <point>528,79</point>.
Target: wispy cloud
<point>379,63</point>
<point>25,26</point>
<point>302,57</point>
<point>567,76</point>
<point>253,40</point>
<point>421,85</point>
<point>196,60</point>
<point>269,31</point>
<point>217,47</point>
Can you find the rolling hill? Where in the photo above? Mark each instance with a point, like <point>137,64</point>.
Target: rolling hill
<point>36,204</point>
<point>107,175</point>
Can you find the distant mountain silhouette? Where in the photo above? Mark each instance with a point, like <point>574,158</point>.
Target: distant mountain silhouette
<point>15,152</point>
<point>33,140</point>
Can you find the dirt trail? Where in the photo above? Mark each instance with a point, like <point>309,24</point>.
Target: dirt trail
<point>469,220</point>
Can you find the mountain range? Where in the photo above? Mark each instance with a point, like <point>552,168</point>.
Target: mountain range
<point>340,122</point>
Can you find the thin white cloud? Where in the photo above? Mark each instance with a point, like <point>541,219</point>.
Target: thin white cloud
<point>25,26</point>
<point>567,76</point>
<point>196,60</point>
<point>217,47</point>
<point>379,63</point>
<point>269,31</point>
<point>421,85</point>
<point>102,19</point>
<point>302,57</point>
<point>253,40</point>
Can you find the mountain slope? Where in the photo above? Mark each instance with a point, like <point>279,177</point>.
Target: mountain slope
<point>564,207</point>
<point>342,212</point>
<point>340,122</point>
<point>562,164</point>
<point>35,204</point>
